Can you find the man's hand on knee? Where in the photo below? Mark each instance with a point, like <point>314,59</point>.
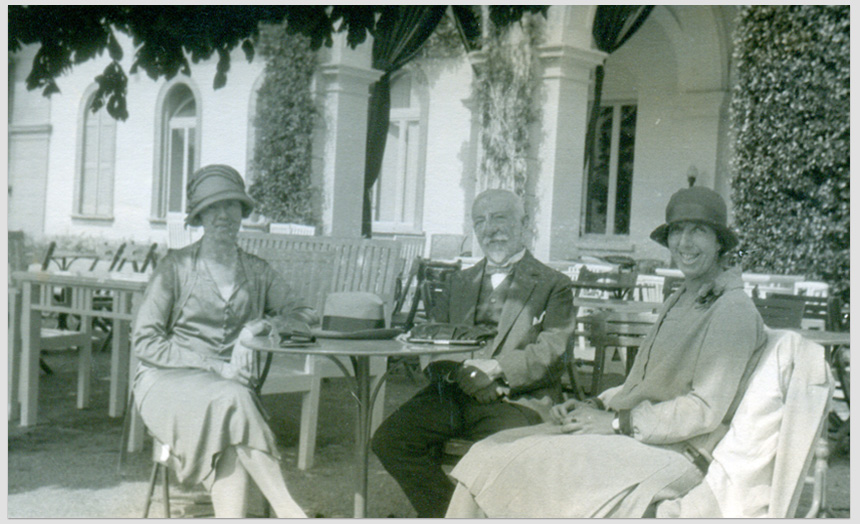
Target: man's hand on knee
<point>489,393</point>
<point>471,379</point>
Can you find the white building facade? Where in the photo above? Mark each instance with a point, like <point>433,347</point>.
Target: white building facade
<point>665,99</point>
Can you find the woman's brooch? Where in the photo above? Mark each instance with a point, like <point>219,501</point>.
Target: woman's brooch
<point>707,295</point>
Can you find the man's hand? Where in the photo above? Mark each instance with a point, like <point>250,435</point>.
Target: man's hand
<point>490,366</point>
<point>488,394</point>
<point>471,380</point>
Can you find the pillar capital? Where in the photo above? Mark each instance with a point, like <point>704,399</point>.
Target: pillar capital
<point>569,62</point>
<point>348,78</point>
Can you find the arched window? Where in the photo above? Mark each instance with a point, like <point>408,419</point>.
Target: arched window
<point>398,195</point>
<point>96,162</point>
<point>178,155</point>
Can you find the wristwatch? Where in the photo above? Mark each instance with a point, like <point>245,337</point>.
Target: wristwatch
<point>616,425</point>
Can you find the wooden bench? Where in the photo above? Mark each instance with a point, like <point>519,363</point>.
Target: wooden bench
<point>314,267</point>
<point>360,265</point>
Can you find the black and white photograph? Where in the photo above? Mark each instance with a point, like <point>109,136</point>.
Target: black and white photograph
<point>428,261</point>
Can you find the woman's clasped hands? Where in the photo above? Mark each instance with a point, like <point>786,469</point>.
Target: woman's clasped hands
<point>576,416</point>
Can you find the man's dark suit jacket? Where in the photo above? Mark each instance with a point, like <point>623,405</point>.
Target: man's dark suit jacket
<point>536,322</point>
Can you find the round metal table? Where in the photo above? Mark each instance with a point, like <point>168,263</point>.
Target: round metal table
<point>359,352</point>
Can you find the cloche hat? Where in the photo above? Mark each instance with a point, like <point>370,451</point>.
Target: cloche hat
<point>697,204</point>
<point>214,183</point>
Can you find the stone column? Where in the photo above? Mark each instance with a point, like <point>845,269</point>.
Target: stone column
<point>561,147</point>
<point>344,86</point>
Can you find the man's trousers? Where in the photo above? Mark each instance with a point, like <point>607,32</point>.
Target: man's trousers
<point>409,443</point>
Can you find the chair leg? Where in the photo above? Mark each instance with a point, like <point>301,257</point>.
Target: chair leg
<point>106,342</point>
<point>578,392</point>
<point>14,352</point>
<point>597,373</point>
<point>570,365</point>
<point>308,429</point>
<point>413,370</point>
<point>45,367</point>
<point>152,478</point>
<point>125,434</point>
<point>166,490</point>
<point>842,373</point>
<point>85,363</point>
<point>818,507</point>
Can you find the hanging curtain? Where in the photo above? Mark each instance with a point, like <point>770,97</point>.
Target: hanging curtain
<point>613,25</point>
<point>400,33</point>
<point>468,25</point>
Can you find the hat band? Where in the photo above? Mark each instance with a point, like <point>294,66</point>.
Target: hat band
<point>226,194</point>
<point>346,324</point>
<point>696,212</point>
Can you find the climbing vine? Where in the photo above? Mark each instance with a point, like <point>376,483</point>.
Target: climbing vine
<point>284,123</point>
<point>505,88</point>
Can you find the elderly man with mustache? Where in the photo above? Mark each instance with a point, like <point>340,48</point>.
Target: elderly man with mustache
<point>511,382</point>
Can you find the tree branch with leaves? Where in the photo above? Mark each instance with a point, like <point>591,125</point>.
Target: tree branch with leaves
<point>169,38</point>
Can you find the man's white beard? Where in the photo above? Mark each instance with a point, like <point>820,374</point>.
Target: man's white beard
<point>498,257</point>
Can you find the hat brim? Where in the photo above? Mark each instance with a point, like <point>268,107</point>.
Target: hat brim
<point>363,334</point>
<point>193,218</point>
<point>727,238</point>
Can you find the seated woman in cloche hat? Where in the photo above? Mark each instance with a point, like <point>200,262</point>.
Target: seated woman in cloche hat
<point>192,385</point>
<point>650,438</point>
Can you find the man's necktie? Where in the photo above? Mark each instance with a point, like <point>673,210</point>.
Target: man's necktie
<point>497,273</point>
<point>493,269</point>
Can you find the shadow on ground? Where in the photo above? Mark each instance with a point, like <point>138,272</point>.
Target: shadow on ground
<point>67,465</point>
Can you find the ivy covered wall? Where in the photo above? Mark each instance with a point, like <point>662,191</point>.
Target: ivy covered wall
<point>790,116</point>
<point>284,130</point>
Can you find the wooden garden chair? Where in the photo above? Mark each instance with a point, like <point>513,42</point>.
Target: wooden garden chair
<point>141,256</point>
<point>615,335</point>
<point>780,311</point>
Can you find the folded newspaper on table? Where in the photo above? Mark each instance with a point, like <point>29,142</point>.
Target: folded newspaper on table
<point>459,334</point>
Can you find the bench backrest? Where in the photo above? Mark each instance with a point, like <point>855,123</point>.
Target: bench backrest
<point>622,330</point>
<point>780,311</point>
<point>819,312</point>
<point>360,264</point>
<point>310,274</point>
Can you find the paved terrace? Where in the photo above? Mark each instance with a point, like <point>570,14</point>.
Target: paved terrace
<point>66,467</point>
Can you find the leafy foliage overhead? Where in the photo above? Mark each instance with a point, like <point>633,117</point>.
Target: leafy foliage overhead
<point>166,37</point>
<point>790,112</point>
